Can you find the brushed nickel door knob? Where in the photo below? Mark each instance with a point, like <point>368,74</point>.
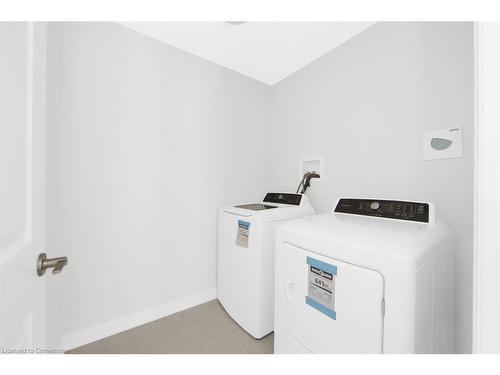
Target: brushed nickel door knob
<point>43,263</point>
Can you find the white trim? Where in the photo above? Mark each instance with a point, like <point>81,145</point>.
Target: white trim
<point>37,148</point>
<point>476,251</point>
<point>486,304</point>
<point>87,335</point>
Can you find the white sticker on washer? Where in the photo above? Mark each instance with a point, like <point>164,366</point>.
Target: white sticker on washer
<point>243,233</point>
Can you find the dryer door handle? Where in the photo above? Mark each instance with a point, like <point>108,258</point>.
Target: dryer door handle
<point>290,289</point>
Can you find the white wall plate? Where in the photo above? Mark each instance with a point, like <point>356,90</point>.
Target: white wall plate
<point>442,144</point>
<point>312,164</point>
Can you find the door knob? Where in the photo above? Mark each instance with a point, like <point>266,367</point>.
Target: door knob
<point>43,263</point>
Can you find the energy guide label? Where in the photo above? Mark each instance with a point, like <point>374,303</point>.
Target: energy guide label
<point>321,286</point>
<point>243,233</point>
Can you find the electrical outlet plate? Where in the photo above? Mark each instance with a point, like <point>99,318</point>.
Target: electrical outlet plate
<point>442,144</point>
<point>313,164</point>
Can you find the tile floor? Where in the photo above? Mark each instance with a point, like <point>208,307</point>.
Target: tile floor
<point>204,329</point>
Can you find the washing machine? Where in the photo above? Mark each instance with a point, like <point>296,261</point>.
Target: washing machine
<point>245,267</point>
<point>373,276</point>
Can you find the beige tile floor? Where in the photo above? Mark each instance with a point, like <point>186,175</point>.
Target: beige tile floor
<point>204,329</point>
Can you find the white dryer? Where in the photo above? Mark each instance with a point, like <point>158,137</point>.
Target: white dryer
<point>245,267</point>
<point>374,276</point>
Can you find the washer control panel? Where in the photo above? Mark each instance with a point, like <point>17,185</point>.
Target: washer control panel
<point>400,210</point>
<point>285,198</point>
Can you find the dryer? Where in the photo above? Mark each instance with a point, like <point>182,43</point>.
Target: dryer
<point>373,276</point>
<point>245,266</point>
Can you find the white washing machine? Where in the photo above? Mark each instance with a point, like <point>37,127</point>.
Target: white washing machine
<point>374,276</point>
<point>245,267</point>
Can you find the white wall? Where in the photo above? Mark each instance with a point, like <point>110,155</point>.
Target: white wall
<point>364,106</point>
<point>146,143</point>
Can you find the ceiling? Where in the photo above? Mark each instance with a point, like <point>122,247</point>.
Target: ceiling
<point>265,51</point>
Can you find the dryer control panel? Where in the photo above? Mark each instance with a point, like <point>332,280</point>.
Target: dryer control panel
<point>400,210</point>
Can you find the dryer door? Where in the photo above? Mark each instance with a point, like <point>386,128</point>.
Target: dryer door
<point>330,306</point>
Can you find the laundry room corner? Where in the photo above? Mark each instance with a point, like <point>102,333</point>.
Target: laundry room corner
<point>363,108</point>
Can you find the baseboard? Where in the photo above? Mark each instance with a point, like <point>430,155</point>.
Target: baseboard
<point>81,337</point>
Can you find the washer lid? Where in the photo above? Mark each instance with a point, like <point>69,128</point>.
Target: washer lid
<point>276,206</point>
<point>256,206</point>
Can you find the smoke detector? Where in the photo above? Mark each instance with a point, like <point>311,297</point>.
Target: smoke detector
<point>235,23</point>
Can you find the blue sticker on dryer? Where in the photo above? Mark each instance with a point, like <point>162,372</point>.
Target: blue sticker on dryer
<point>321,286</point>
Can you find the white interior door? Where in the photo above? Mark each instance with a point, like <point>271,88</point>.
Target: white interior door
<point>22,128</point>
<point>331,306</point>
